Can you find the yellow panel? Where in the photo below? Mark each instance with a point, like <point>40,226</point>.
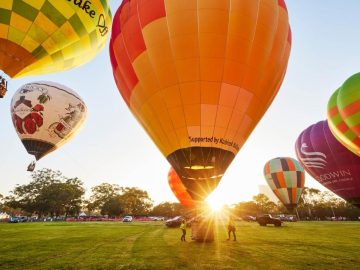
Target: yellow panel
<point>20,22</point>
<point>192,115</point>
<point>223,116</point>
<point>172,96</point>
<point>49,45</point>
<point>211,69</point>
<point>36,4</point>
<point>65,8</point>
<point>228,95</point>
<point>156,33</point>
<point>6,4</point>
<point>45,24</point>
<point>190,93</point>
<point>210,92</point>
<point>208,114</point>
<point>177,116</point>
<point>142,65</point>
<point>188,70</point>
<point>29,44</point>
<point>163,64</point>
<point>69,32</point>
<point>4,30</point>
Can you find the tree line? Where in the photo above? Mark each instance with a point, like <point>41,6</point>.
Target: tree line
<point>313,205</point>
<point>50,194</point>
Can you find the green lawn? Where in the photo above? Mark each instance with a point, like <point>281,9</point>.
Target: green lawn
<point>301,245</point>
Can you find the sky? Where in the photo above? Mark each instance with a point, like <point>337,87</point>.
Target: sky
<point>112,147</point>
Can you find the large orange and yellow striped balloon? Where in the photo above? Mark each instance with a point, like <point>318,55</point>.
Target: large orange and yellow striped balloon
<point>199,75</point>
<point>179,189</point>
<point>43,36</point>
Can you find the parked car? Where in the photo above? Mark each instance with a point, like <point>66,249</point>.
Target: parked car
<point>127,219</point>
<point>249,218</point>
<point>17,219</point>
<point>263,220</point>
<point>174,222</point>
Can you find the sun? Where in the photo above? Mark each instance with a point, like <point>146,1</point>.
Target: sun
<point>216,204</point>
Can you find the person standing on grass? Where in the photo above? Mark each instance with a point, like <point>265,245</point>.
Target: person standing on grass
<point>231,228</point>
<point>183,229</point>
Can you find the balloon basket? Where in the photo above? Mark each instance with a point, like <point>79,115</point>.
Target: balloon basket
<point>202,230</point>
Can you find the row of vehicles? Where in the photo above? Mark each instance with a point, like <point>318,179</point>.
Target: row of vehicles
<point>263,220</point>
<point>20,219</point>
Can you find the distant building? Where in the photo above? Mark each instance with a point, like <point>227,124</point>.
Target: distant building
<point>4,216</point>
<point>266,190</point>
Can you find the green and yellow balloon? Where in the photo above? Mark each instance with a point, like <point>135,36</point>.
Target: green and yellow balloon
<point>45,36</point>
<point>344,114</point>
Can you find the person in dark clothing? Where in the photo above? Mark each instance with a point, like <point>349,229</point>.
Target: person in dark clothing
<point>183,229</point>
<point>231,228</point>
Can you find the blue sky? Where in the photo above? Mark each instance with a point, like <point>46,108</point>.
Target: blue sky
<point>112,147</point>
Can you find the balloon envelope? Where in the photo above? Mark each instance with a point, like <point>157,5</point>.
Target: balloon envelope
<point>286,178</point>
<point>43,36</point>
<point>46,115</point>
<point>198,76</point>
<point>329,162</point>
<point>179,189</point>
<point>343,114</point>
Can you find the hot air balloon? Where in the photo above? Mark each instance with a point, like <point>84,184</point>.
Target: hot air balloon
<point>46,115</point>
<point>43,36</point>
<point>198,76</point>
<point>178,189</point>
<point>343,110</point>
<point>286,178</point>
<point>329,162</point>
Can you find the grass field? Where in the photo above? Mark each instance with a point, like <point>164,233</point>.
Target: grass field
<point>301,245</point>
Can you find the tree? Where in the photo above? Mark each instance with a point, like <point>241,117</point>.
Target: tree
<point>62,198</point>
<point>112,207</point>
<point>169,209</point>
<point>101,194</point>
<point>135,201</point>
<point>264,205</point>
<point>49,192</point>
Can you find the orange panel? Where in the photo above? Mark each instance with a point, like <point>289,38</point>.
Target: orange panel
<point>190,93</point>
<point>172,96</point>
<point>210,92</point>
<point>223,117</point>
<point>211,69</point>
<point>192,115</point>
<point>178,117</point>
<point>208,114</point>
<point>228,95</point>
